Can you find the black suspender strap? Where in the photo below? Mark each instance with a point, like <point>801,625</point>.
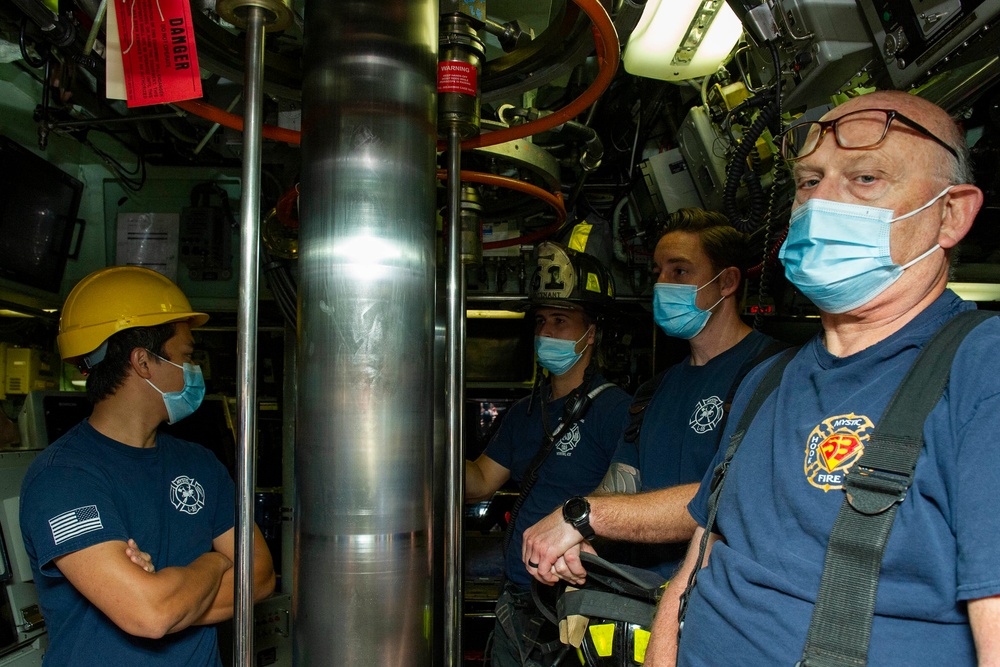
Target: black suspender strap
<point>772,348</point>
<point>641,400</point>
<point>575,414</point>
<point>527,642</point>
<point>874,489</point>
<point>768,383</point>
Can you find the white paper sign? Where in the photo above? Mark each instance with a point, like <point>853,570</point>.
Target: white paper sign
<point>149,240</point>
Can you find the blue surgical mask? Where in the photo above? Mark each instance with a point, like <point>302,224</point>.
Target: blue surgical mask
<point>675,309</point>
<point>838,254</point>
<point>557,355</point>
<point>181,404</point>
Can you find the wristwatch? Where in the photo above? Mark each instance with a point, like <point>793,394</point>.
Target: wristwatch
<point>576,511</point>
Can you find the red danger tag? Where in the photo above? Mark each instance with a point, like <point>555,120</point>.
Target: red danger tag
<point>158,53</point>
<point>454,76</point>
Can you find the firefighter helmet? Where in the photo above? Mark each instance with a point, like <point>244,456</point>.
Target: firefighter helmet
<point>569,279</point>
<point>609,617</point>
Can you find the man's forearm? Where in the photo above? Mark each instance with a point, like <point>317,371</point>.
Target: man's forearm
<point>656,517</point>
<point>222,608</point>
<point>651,518</point>
<point>662,648</point>
<point>475,484</point>
<point>191,590</point>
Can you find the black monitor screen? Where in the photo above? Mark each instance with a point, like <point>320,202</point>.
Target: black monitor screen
<point>38,210</point>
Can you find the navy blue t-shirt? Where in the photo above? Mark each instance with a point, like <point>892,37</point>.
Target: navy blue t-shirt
<point>753,602</point>
<point>575,466</point>
<point>680,433</point>
<point>173,499</point>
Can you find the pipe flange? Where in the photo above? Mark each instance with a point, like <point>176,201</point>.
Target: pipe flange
<point>278,13</point>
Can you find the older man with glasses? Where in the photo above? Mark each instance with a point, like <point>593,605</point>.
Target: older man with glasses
<point>882,197</point>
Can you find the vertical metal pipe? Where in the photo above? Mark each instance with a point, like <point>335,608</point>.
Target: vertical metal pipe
<point>364,426</point>
<point>289,395</point>
<point>246,327</point>
<point>454,404</point>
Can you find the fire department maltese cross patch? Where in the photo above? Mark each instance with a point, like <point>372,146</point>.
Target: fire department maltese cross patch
<point>833,447</point>
<point>568,442</point>
<point>187,495</point>
<point>707,414</point>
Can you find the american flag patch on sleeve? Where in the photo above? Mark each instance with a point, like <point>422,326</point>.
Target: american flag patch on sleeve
<point>74,523</point>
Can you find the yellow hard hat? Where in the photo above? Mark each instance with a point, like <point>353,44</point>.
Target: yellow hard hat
<point>112,299</point>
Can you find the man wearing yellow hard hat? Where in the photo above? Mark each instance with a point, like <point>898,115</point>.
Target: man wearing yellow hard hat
<point>130,532</point>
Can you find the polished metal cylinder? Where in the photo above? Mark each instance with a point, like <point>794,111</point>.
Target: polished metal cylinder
<point>246,344</point>
<point>364,422</point>
<point>472,227</point>
<point>454,466</point>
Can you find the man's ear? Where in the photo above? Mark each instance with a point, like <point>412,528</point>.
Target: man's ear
<point>729,280</point>
<point>961,205</point>
<point>139,360</point>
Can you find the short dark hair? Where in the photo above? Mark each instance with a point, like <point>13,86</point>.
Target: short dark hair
<point>107,376</point>
<point>724,245</point>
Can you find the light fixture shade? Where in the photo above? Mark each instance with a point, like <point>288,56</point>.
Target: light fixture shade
<point>654,48</point>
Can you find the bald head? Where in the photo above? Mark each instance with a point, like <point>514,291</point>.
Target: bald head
<point>924,112</point>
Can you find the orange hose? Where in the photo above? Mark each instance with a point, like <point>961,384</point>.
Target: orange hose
<point>554,200</point>
<point>605,41</point>
<point>527,238</point>
<point>231,120</point>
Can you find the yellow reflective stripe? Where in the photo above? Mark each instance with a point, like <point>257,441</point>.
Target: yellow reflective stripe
<point>640,640</point>
<point>578,239</point>
<point>604,638</point>
<point>593,283</point>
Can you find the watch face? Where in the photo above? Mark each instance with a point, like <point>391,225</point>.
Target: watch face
<point>576,508</point>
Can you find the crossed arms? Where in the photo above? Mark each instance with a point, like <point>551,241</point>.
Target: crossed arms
<point>154,604</point>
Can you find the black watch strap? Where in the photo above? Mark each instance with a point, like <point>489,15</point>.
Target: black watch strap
<point>576,511</point>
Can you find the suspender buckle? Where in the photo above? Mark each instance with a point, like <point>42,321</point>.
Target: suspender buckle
<point>720,471</point>
<point>872,491</point>
<point>682,608</point>
<point>718,475</point>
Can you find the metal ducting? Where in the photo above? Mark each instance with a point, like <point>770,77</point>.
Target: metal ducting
<point>364,440</point>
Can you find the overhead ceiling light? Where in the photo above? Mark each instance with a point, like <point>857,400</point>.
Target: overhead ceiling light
<point>681,39</point>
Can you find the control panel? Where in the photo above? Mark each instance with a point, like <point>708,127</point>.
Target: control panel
<point>272,631</point>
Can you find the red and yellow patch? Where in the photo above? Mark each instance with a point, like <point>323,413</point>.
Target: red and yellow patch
<point>833,447</point>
